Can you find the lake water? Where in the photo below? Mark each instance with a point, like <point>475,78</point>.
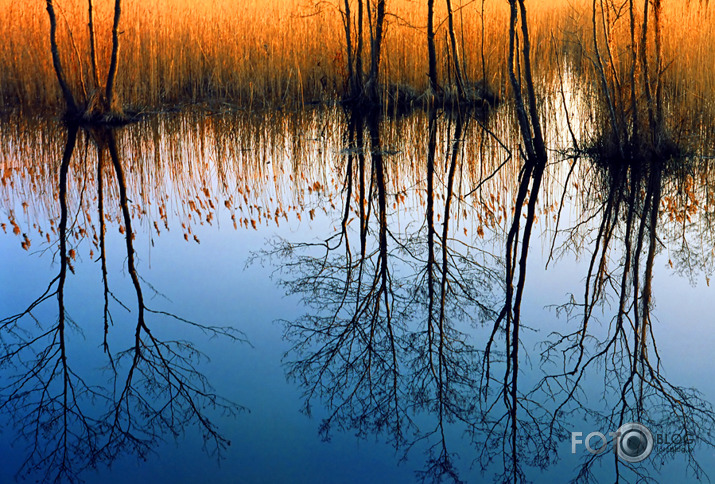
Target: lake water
<point>287,297</point>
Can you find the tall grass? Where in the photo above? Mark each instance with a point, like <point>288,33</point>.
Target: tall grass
<point>262,53</point>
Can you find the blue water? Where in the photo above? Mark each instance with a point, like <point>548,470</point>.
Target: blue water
<point>228,280</point>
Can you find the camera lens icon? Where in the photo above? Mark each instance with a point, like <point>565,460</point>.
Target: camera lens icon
<point>635,442</point>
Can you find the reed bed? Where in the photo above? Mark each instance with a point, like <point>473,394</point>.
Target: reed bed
<point>288,53</point>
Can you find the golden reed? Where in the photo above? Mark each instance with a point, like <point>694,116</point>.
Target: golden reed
<point>261,53</point>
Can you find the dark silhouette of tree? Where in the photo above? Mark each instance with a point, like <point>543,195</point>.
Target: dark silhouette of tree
<point>459,283</point>
<point>48,399</point>
<point>99,105</point>
<point>518,438</point>
<point>626,356</point>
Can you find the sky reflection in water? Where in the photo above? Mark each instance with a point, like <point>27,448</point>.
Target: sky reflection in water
<point>408,383</point>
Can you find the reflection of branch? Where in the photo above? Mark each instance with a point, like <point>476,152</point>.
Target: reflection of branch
<point>162,384</point>
<point>640,390</point>
<point>49,402</point>
<point>446,387</point>
<point>102,247</point>
<point>377,350</point>
<point>47,398</point>
<point>355,343</point>
<point>517,430</point>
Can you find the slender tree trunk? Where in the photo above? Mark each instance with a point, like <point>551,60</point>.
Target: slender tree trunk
<point>455,51</point>
<point>484,62</point>
<point>129,233</point>
<point>115,55</point>
<point>658,62</point>
<point>431,260</point>
<point>522,117</point>
<point>102,238</point>
<point>634,61</point>
<point>375,50</point>
<point>646,70</point>
<point>431,53</point>
<point>532,174</point>
<point>347,20</point>
<point>92,46</point>
<point>539,144</point>
<point>604,82</point>
<point>358,52</point>
<point>57,63</point>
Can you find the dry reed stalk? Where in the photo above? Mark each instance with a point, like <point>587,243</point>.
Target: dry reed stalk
<point>267,54</point>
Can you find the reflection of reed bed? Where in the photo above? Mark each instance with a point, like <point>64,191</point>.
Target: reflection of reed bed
<point>291,52</point>
<point>264,170</point>
<point>684,227</point>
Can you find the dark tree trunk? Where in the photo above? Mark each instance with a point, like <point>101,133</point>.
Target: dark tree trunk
<point>57,63</point>
<point>347,21</point>
<point>432,55</point>
<point>358,52</point>
<point>455,51</point>
<point>92,46</point>
<point>375,51</point>
<point>111,76</point>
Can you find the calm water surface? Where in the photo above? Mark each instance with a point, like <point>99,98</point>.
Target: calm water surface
<point>318,298</point>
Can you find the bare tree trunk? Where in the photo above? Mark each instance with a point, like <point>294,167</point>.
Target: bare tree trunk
<point>102,244</point>
<point>66,92</point>
<point>347,21</point>
<point>358,52</point>
<point>634,61</point>
<point>658,62</point>
<point>539,145</point>
<point>455,51</point>
<point>92,47</point>
<point>484,63</point>
<point>431,260</point>
<point>646,70</point>
<point>522,117</point>
<point>532,174</point>
<point>115,54</point>
<point>431,53</point>
<point>604,82</point>
<point>375,50</point>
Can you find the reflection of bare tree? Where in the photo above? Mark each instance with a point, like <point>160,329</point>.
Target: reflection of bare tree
<point>459,281</point>
<point>70,425</point>
<point>635,155</point>
<point>515,433</point>
<point>382,341</point>
<point>162,384</point>
<point>627,353</point>
<point>48,399</point>
<point>354,336</point>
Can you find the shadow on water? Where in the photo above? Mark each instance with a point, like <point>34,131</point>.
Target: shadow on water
<point>154,388</point>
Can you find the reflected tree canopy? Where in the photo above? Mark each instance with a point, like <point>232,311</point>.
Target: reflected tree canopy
<point>410,319</point>
<point>70,420</point>
<point>419,324</point>
<point>402,224</point>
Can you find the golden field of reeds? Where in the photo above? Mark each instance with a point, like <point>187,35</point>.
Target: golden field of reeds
<point>261,53</point>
